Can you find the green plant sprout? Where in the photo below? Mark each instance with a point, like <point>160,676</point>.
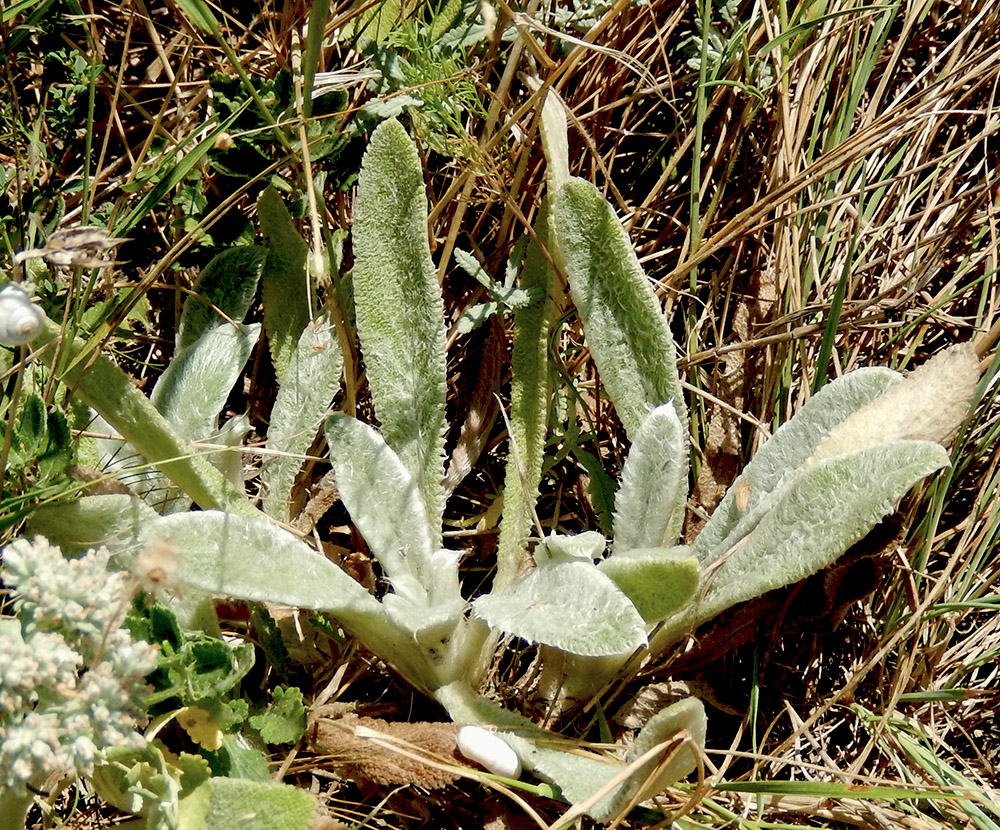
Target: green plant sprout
<point>820,484</point>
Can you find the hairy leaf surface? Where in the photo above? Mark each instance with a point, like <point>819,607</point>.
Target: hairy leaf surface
<point>400,313</point>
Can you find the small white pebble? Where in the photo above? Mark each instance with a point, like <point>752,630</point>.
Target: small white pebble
<point>489,751</point>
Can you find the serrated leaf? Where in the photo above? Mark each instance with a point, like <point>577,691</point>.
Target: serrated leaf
<point>372,23</point>
<point>283,282</point>
<point>529,403</point>
<point>625,328</point>
<point>30,433</point>
<point>785,452</point>
<point>284,721</point>
<point>567,605</point>
<point>511,297</point>
<point>649,505</point>
<point>385,505</point>
<point>228,283</point>
<point>400,312</point>
<point>305,395</point>
<point>658,581</point>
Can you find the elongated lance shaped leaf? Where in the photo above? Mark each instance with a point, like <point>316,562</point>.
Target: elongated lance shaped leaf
<point>400,312</point>
<point>580,776</point>
<point>228,285</point>
<point>784,453</point>
<point>387,507</point>
<point>193,389</point>
<point>102,385</point>
<point>284,287</point>
<point>249,557</point>
<point>625,328</point>
<point>305,395</point>
<point>530,390</point>
<point>191,393</point>
<point>649,506</point>
<point>816,516</point>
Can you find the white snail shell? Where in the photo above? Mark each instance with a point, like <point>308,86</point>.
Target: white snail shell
<point>488,750</point>
<point>20,320</point>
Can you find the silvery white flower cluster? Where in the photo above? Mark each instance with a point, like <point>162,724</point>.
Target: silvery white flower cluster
<point>71,678</point>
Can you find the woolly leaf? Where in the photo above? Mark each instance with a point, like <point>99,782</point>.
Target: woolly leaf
<point>228,283</point>
<point>284,286</point>
<point>567,605</point>
<point>224,803</point>
<point>659,581</point>
<point>649,506</point>
<point>400,312</point>
<point>578,775</point>
<point>305,395</point>
<point>622,320</point>
<point>786,451</point>
<point>195,385</point>
<point>811,521</point>
<point>249,557</point>
<point>530,390</point>
<point>100,384</point>
<point>386,506</point>
<point>687,715</point>
<point>113,520</point>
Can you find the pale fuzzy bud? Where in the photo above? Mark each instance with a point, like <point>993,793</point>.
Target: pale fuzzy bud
<point>929,404</point>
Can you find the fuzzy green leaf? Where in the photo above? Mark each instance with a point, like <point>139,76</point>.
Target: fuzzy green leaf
<point>305,395</point>
<point>625,328</point>
<point>105,387</point>
<point>228,283</point>
<point>816,516</point>
<point>580,776</point>
<point>529,403</point>
<point>249,557</point>
<point>649,506</point>
<point>386,506</point>
<point>197,382</point>
<point>400,312</point>
<point>782,456</point>
<point>687,715</point>
<point>225,803</point>
<point>284,287</point>
<point>113,520</point>
<point>659,581</point>
<point>566,605</point>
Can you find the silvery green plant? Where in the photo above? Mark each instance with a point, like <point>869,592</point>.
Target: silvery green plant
<point>590,605</point>
<point>71,678</point>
